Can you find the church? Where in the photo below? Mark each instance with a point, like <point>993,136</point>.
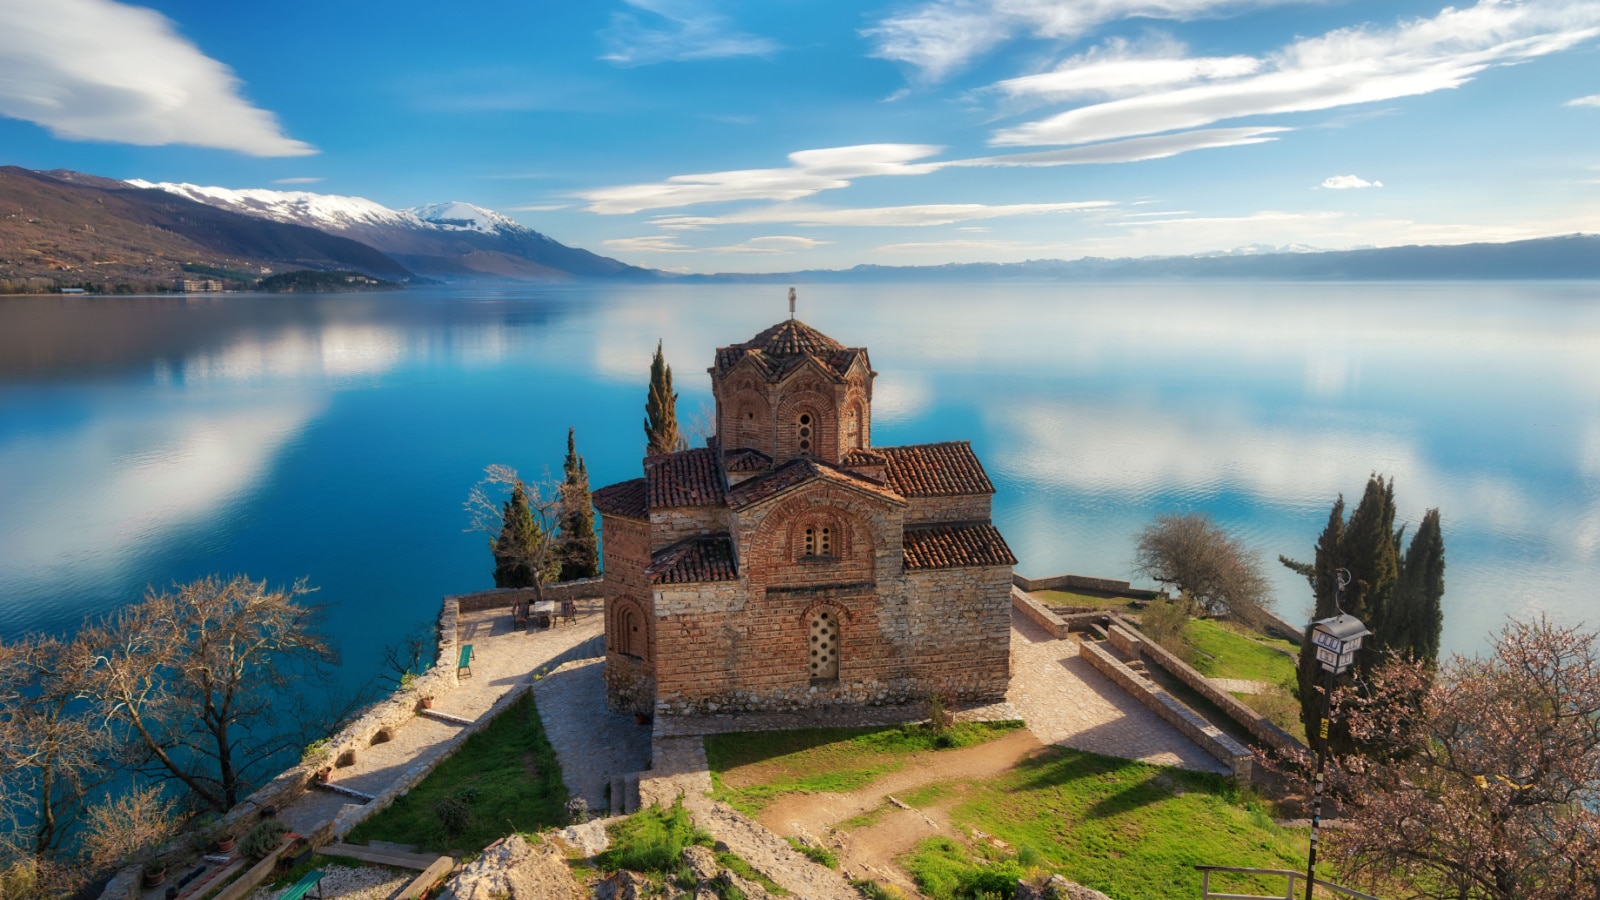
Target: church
<point>792,564</point>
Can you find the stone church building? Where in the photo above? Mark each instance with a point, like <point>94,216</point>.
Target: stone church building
<point>793,564</point>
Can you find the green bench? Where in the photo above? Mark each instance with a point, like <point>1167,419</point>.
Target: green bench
<point>464,664</point>
<point>313,877</point>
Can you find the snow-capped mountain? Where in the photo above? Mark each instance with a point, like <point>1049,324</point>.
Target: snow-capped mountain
<point>441,240</point>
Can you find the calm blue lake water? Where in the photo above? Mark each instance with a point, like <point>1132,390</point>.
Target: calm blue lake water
<point>147,440</point>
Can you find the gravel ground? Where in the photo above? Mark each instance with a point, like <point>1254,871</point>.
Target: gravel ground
<point>346,883</point>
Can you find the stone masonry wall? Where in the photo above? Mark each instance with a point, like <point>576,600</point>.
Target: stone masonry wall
<point>965,508</point>
<point>503,598</point>
<point>630,679</point>
<point>671,525</point>
<point>1083,582</point>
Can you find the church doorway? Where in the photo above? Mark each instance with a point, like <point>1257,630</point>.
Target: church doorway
<point>824,646</point>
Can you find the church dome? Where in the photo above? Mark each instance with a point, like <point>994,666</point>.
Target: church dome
<point>793,337</point>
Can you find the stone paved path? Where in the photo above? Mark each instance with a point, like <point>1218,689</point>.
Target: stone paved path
<point>502,659</point>
<point>1240,685</point>
<point>1066,701</point>
<point>593,744</point>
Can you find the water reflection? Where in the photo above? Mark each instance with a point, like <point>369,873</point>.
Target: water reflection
<point>148,439</point>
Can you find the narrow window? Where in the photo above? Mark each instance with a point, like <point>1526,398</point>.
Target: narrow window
<point>827,546</point>
<point>805,433</point>
<point>811,542</point>
<point>824,646</point>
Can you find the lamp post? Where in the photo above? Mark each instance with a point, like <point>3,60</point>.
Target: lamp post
<point>1336,640</point>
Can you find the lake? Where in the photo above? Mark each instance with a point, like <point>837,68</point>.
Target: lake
<point>151,439</point>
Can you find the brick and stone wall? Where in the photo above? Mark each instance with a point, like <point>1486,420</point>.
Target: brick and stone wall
<point>671,525</point>
<point>1086,583</point>
<point>963,508</point>
<point>503,598</point>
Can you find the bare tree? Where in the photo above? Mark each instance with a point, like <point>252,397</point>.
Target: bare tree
<point>1488,786</point>
<point>53,752</point>
<point>1209,567</point>
<point>121,829</point>
<point>487,505</point>
<point>409,655</point>
<point>196,678</point>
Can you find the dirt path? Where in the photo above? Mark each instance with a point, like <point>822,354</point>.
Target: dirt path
<point>870,852</point>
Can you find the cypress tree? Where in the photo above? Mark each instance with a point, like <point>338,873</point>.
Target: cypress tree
<point>1419,617</point>
<point>518,540</point>
<point>661,410</point>
<point>580,549</point>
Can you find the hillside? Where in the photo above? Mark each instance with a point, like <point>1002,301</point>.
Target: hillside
<point>451,241</point>
<point>67,229</point>
<point>1568,256</point>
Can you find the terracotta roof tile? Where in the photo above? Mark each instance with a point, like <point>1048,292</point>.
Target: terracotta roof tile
<point>864,456</point>
<point>694,560</point>
<point>799,471</point>
<point>787,344</point>
<point>625,498</point>
<point>946,469</point>
<point>959,545</point>
<point>746,459</point>
<point>685,478</point>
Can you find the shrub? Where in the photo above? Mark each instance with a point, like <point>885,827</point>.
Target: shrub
<point>454,814</point>
<point>1163,620</point>
<point>262,839</point>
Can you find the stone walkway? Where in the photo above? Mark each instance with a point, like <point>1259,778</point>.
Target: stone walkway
<point>1240,685</point>
<point>593,744</point>
<point>1066,701</point>
<point>501,660</point>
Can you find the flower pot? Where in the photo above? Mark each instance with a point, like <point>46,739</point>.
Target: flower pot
<point>153,878</point>
<point>225,844</point>
<point>427,702</point>
<point>325,774</point>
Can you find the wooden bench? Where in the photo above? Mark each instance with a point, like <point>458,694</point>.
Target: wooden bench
<point>313,877</point>
<point>464,664</point>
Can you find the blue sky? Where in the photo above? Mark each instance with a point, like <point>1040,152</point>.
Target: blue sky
<point>707,135</point>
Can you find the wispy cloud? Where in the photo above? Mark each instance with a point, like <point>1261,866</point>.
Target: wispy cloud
<point>97,70</point>
<point>1591,100</point>
<point>1134,149</point>
<point>777,243</point>
<point>295,180</point>
<point>1348,182</point>
<point>539,207</point>
<point>1118,68</point>
<point>941,37</point>
<point>881,216</point>
<point>655,243</point>
<point>1341,68</point>
<point>810,171</point>
<point>677,31</point>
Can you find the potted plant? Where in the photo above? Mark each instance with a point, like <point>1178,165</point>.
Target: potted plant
<point>225,842</point>
<point>155,872</point>
<point>262,839</point>
<point>426,700</point>
<point>325,774</point>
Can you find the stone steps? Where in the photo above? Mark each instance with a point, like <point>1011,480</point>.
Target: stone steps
<point>625,794</point>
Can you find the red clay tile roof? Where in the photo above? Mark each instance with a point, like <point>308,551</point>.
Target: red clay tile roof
<point>946,469</point>
<point>625,498</point>
<point>685,478</point>
<point>694,560</point>
<point>864,456</point>
<point>786,345</point>
<point>746,459</point>
<point>959,545</point>
<point>799,471</point>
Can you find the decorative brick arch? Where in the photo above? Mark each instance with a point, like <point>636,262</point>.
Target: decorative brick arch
<point>840,534</point>
<point>824,626</point>
<point>749,422</point>
<point>770,547</point>
<point>809,417</point>
<point>854,428</point>
<point>628,629</point>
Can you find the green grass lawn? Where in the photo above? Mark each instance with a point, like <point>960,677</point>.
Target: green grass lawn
<point>824,759</point>
<point>1132,830</point>
<point>504,779</point>
<point>1092,601</point>
<point>1225,650</point>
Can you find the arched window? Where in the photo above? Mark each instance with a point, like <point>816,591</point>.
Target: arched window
<point>629,638</point>
<point>805,432</point>
<point>852,427</point>
<point>824,646</point>
<point>818,541</point>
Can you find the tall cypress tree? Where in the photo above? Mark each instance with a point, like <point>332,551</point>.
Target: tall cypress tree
<point>518,541</point>
<point>1418,618</point>
<point>579,549</point>
<point>661,410</point>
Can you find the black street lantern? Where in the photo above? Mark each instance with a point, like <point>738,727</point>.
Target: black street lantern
<point>1337,639</point>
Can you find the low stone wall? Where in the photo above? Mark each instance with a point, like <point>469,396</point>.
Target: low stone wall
<point>1259,726</point>
<point>1283,628</point>
<point>1085,583</point>
<point>1041,615</point>
<point>1212,739</point>
<point>1123,639</point>
<point>498,598</point>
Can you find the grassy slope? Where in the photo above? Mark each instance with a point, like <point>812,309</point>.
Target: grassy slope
<point>1092,601</point>
<point>1226,651</point>
<point>507,774</point>
<point>1132,830</point>
<point>825,759</point>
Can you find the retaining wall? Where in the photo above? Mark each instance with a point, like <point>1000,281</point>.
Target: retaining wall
<point>1212,739</point>
<point>1085,583</point>
<point>1259,726</point>
<point>1042,615</point>
<point>1283,627</point>
<point>495,598</point>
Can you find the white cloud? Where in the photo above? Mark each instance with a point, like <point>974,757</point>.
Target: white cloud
<point>942,36</point>
<point>1591,100</point>
<point>777,243</point>
<point>97,70</point>
<point>1348,182</point>
<point>539,207</point>
<point>296,180</point>
<point>1134,149</point>
<point>896,216</point>
<point>690,31</point>
<point>811,171</point>
<point>1341,68</point>
<point>1117,68</point>
<point>656,243</point>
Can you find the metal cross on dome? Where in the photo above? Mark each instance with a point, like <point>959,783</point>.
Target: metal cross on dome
<point>791,303</point>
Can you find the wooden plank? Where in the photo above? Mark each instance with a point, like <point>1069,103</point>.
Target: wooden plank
<point>416,861</point>
<point>429,877</point>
